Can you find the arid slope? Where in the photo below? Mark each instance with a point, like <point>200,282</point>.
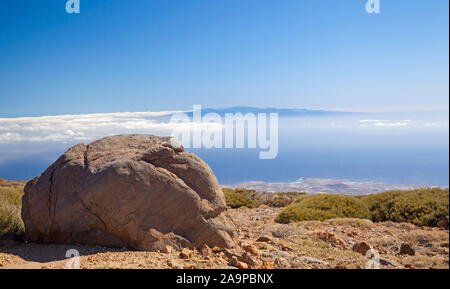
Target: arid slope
<point>266,244</point>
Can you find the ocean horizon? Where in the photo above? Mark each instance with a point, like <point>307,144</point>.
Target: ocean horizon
<point>388,147</point>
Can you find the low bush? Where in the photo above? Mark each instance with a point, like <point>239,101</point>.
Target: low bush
<point>321,207</point>
<point>424,207</point>
<point>10,210</point>
<point>237,200</point>
<point>279,199</point>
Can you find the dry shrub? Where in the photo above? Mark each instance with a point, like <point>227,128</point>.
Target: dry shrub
<point>322,207</point>
<point>10,210</point>
<point>423,207</point>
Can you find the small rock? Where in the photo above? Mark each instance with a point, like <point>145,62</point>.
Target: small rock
<point>236,263</point>
<point>206,251</point>
<point>230,253</point>
<point>251,249</point>
<point>407,249</point>
<point>287,249</point>
<point>388,262</point>
<point>185,253</point>
<point>189,266</point>
<point>330,238</point>
<point>248,259</point>
<point>233,262</point>
<point>242,265</point>
<point>174,264</point>
<point>361,247</point>
<point>264,238</point>
<point>240,255</point>
<point>340,267</point>
<point>282,263</point>
<point>268,265</point>
<point>167,249</point>
<point>216,249</point>
<point>221,255</point>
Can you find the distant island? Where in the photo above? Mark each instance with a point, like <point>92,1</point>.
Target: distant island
<point>282,112</point>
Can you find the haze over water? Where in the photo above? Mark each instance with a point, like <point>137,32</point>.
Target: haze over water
<point>393,147</point>
<point>401,150</point>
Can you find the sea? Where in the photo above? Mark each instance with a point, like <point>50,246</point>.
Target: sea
<point>405,147</point>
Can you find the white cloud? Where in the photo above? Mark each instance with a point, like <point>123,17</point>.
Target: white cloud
<point>372,120</point>
<point>86,127</point>
<point>384,123</point>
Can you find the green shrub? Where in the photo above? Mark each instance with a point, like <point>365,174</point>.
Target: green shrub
<point>10,209</point>
<point>322,207</point>
<point>423,207</point>
<point>279,199</point>
<point>237,200</point>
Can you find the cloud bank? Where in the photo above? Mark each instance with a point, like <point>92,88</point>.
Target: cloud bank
<point>88,127</point>
<point>85,127</point>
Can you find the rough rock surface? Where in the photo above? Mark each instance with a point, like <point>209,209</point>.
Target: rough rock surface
<point>137,191</point>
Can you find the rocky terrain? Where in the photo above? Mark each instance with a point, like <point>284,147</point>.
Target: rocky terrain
<point>338,243</point>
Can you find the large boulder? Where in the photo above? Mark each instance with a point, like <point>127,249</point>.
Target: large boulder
<point>137,191</point>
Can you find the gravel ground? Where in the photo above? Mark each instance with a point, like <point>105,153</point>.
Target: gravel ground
<point>338,243</point>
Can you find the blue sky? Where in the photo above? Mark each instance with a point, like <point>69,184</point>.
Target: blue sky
<point>153,55</point>
<point>167,54</point>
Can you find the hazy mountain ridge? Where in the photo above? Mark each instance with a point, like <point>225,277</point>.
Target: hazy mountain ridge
<point>282,112</point>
